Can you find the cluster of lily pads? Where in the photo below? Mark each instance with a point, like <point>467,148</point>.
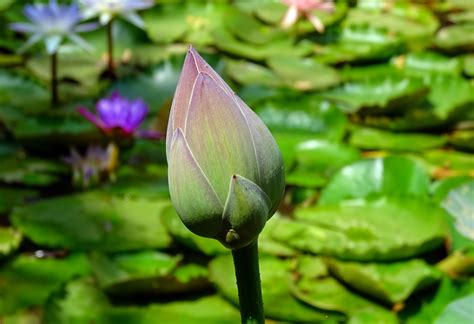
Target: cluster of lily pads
<point>371,103</point>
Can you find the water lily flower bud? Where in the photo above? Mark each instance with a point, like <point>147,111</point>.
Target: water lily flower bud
<point>225,174</point>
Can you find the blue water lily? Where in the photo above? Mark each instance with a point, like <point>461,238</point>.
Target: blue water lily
<point>53,23</point>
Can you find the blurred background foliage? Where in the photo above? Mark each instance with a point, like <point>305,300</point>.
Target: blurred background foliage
<point>375,120</point>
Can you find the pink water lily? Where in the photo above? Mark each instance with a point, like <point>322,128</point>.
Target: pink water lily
<point>225,169</point>
<point>306,8</point>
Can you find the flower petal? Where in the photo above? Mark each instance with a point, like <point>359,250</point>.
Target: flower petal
<point>182,96</point>
<point>217,131</point>
<point>35,38</point>
<point>81,42</point>
<point>246,211</point>
<point>193,196</point>
<point>270,163</point>
<point>91,117</point>
<point>52,43</point>
<point>134,19</point>
<point>23,27</point>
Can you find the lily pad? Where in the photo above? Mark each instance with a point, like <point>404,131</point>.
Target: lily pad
<point>445,163</point>
<point>458,311</point>
<point>146,273</point>
<point>11,197</point>
<point>248,73</point>
<point>463,139</point>
<point>209,309</point>
<point>80,302</point>
<point>95,220</point>
<point>441,188</point>
<point>30,171</point>
<point>183,235</point>
<point>325,292</point>
<point>371,138</point>
<point>276,282</point>
<point>420,63</point>
<point>391,176</point>
<point>9,240</point>
<point>376,230</point>
<point>379,95</point>
<point>456,38</point>
<point>303,73</point>
<point>389,282</point>
<point>303,115</point>
<point>28,281</point>
<point>22,93</point>
<point>460,206</point>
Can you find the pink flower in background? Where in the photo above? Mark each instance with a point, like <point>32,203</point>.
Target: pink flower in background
<point>306,8</point>
<point>119,113</point>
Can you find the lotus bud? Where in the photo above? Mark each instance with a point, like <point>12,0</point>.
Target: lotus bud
<point>226,176</point>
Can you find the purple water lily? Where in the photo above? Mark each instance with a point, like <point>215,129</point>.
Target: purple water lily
<point>52,23</point>
<point>119,113</point>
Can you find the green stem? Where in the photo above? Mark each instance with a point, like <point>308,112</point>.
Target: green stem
<point>54,80</point>
<point>248,283</point>
<point>110,51</point>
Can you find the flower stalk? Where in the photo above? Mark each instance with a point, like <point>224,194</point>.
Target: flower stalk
<point>248,284</point>
<point>54,80</point>
<point>110,51</point>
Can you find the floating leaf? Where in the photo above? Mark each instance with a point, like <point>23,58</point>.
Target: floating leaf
<point>9,240</point>
<point>371,138</point>
<point>377,230</point>
<point>458,311</point>
<point>420,63</point>
<point>30,171</point>
<point>146,273</point>
<point>463,139</point>
<point>11,197</point>
<point>319,290</point>
<point>456,38</point>
<point>28,281</point>
<point>444,163</point>
<point>246,73</point>
<point>392,176</point>
<point>210,309</point>
<point>379,95</point>
<point>81,302</point>
<point>303,73</point>
<point>95,220</point>
<point>276,281</point>
<point>389,282</point>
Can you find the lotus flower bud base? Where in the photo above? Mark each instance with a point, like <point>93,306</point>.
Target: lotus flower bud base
<point>225,173</point>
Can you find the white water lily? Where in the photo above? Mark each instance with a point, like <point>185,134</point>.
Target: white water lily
<point>106,10</point>
<point>52,23</point>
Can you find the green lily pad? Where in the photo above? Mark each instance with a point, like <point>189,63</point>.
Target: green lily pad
<point>359,44</point>
<point>28,281</point>
<point>80,302</point>
<point>469,65</point>
<point>441,188</point>
<point>276,282</point>
<point>9,240</point>
<point>449,94</point>
<point>415,23</point>
<point>317,289</point>
<point>379,95</point>
<point>376,230</point>
<point>428,309</point>
<point>95,220</point>
<point>303,73</point>
<point>146,273</point>
<point>389,282</point>
<point>392,176</point>
<point>30,171</point>
<point>459,204</point>
<point>11,197</point>
<point>165,24</point>
<point>227,42</point>
<point>420,63</point>
<point>456,38</point>
<point>210,309</point>
<point>248,73</point>
<point>22,93</point>
<point>268,245</point>
<point>458,311</point>
<point>303,115</point>
<point>444,163</point>
<point>183,235</point>
<point>376,139</point>
<point>463,139</point>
